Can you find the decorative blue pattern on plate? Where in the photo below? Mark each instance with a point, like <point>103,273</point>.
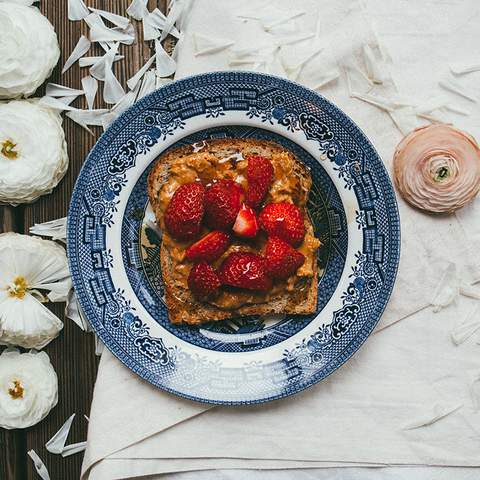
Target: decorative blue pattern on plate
<point>113,249</point>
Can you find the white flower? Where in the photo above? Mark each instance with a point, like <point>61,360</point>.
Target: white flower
<point>28,50</point>
<point>28,388</point>
<point>33,151</point>
<point>30,267</point>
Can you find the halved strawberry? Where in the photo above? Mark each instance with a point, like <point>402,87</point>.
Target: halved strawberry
<point>246,224</point>
<point>245,270</point>
<point>203,281</point>
<point>185,211</point>
<point>282,260</point>
<point>222,204</point>
<point>208,248</point>
<point>259,177</point>
<point>284,220</point>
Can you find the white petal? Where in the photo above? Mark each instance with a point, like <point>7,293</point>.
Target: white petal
<point>156,20</point>
<point>74,448</point>
<point>77,10</point>
<point>463,68</point>
<point>149,31</point>
<point>271,25</point>
<point>447,288</point>
<point>99,346</point>
<point>455,87</point>
<point>404,119</point>
<point>379,102</point>
<point>74,312</point>
<point>87,117</point>
<point>291,39</point>
<point>325,78</point>
<point>117,20</point>
<point>100,33</point>
<point>81,48</point>
<point>173,15</point>
<point>55,103</point>
<point>112,89</point>
<point>130,31</point>
<point>57,443</point>
<point>90,87</point>
<point>148,84</point>
<point>470,290</point>
<point>89,61</point>
<point>36,376</point>
<point>39,465</point>
<point>55,229</point>
<point>133,81</point>
<point>55,90</point>
<point>205,45</point>
<point>138,9</point>
<point>165,64</point>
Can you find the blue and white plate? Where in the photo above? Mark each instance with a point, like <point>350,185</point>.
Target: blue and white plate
<point>113,243</point>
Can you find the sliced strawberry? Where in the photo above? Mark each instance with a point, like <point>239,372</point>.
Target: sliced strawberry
<point>284,220</point>
<point>222,204</point>
<point>245,270</point>
<point>246,224</point>
<point>208,248</point>
<point>259,177</point>
<point>203,281</point>
<point>282,260</point>
<point>185,211</point>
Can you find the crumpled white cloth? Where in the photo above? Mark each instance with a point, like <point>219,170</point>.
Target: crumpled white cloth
<point>404,375</point>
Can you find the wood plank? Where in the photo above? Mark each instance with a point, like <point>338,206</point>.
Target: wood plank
<point>72,354</point>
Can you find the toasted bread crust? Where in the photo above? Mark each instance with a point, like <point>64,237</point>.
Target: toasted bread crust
<point>182,306</point>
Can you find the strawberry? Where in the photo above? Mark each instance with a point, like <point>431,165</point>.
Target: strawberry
<point>203,281</point>
<point>281,258</point>
<point>284,220</point>
<point>208,248</point>
<point>245,270</point>
<point>259,177</point>
<point>222,204</point>
<point>185,211</point>
<point>246,224</point>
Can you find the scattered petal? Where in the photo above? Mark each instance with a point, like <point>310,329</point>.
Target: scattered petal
<point>326,77</point>
<point>138,9</point>
<point>455,87</point>
<point>90,87</point>
<point>55,90</point>
<point>405,119</point>
<point>443,294</point>
<point>99,33</point>
<point>148,84</point>
<point>269,26</point>
<point>206,45</point>
<point>77,10</point>
<point>74,448</point>
<point>112,89</point>
<point>99,346</point>
<point>469,290</point>
<point>57,443</point>
<point>165,64</point>
<point>39,465</point>
<point>87,117</point>
<point>55,229</point>
<point>156,21</point>
<point>133,81</point>
<point>173,15</point>
<point>55,104</point>
<point>81,48</point>
<point>74,312</point>
<point>117,20</point>
<point>463,68</point>
<point>438,412</point>
<point>28,386</point>
<point>467,328</point>
<point>89,61</point>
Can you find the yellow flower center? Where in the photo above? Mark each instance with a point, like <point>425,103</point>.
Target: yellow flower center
<point>8,149</point>
<point>17,390</point>
<point>18,288</point>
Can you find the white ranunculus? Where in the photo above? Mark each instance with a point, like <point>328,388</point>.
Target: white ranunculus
<point>28,388</point>
<point>33,151</point>
<point>28,50</point>
<point>32,271</point>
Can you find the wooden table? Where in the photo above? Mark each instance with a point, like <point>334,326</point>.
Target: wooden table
<point>73,352</point>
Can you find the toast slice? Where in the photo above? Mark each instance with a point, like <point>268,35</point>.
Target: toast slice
<point>225,158</point>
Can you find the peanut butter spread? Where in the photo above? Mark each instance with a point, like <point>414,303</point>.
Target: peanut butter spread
<point>287,185</point>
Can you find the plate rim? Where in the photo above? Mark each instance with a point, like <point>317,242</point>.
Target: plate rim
<point>348,123</point>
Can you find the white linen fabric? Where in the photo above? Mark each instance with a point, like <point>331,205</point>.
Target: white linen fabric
<point>406,397</point>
